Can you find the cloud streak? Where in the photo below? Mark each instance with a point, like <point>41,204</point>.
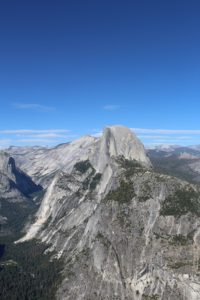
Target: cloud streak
<point>40,137</point>
<point>165,131</point>
<point>34,131</point>
<point>34,107</point>
<point>37,141</point>
<point>4,143</point>
<point>161,137</point>
<point>182,137</point>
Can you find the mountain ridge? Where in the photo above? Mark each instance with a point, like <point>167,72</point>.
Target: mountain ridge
<point>41,162</point>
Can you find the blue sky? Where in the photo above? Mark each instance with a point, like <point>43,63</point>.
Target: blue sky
<point>69,68</point>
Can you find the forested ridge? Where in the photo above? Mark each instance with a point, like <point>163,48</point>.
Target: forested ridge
<point>27,273</point>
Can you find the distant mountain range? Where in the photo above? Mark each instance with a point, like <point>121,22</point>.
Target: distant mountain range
<point>183,162</point>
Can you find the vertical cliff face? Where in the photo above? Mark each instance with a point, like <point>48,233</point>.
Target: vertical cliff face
<point>125,231</point>
<point>15,201</point>
<point>13,180</point>
<point>119,141</point>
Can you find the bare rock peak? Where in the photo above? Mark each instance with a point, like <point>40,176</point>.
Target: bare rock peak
<point>121,141</point>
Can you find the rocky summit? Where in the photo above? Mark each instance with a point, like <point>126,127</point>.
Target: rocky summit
<point>124,229</point>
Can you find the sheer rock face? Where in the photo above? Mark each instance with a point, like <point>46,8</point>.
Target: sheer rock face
<point>125,231</point>
<point>15,190</point>
<point>118,141</point>
<point>14,183</point>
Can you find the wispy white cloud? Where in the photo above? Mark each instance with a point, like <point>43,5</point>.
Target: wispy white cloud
<point>34,131</point>
<point>4,143</point>
<point>97,134</point>
<point>35,137</point>
<point>165,131</point>
<point>47,135</point>
<point>111,107</point>
<point>160,137</point>
<point>37,141</point>
<point>168,136</point>
<point>33,106</point>
<point>150,137</point>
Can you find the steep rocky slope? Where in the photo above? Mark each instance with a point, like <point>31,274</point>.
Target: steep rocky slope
<point>124,230</point>
<point>15,190</point>
<point>13,179</point>
<point>100,157</point>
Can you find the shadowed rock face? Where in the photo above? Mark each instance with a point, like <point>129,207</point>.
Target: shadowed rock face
<point>15,196</point>
<point>125,231</point>
<point>22,181</point>
<point>12,178</point>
